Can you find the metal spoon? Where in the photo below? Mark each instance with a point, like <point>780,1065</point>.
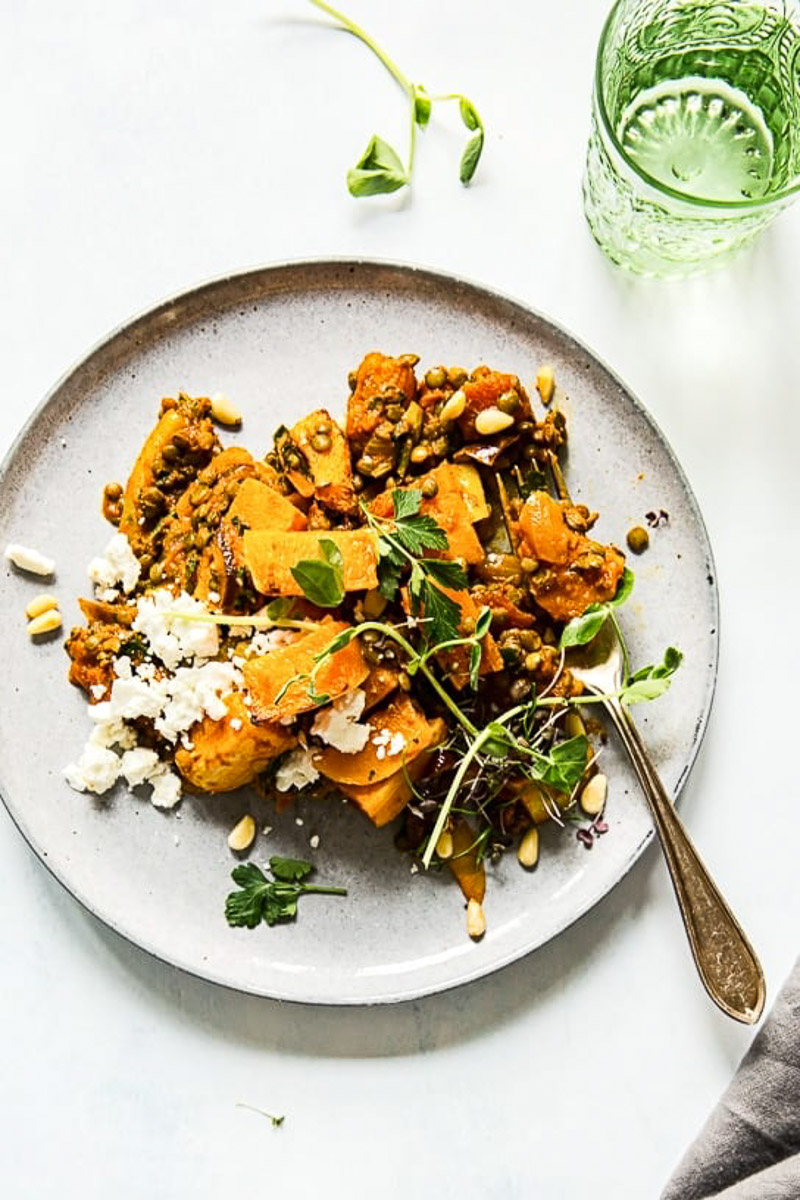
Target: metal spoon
<point>725,960</point>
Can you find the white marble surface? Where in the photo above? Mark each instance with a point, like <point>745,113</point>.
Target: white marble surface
<point>149,146</point>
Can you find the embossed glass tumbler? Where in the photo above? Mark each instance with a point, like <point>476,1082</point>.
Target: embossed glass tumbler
<point>695,143</point>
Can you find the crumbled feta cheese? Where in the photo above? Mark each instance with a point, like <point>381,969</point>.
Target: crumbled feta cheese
<point>138,765</point>
<point>30,560</point>
<point>295,771</point>
<point>313,841</point>
<point>381,738</point>
<point>238,661</point>
<point>338,723</point>
<point>117,567</point>
<point>109,733</point>
<point>236,723</point>
<point>170,638</point>
<point>123,667</point>
<point>262,642</point>
<point>96,770</point>
<point>214,597</point>
<point>98,690</point>
<point>166,788</point>
<point>380,753</point>
<point>396,745</point>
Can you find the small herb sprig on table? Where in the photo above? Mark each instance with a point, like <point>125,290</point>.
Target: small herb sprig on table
<point>271,900</point>
<point>380,170</point>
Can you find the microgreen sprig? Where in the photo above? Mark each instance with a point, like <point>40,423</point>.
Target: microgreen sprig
<point>380,170</point>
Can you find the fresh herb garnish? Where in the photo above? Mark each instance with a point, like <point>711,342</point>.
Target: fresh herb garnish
<point>583,629</point>
<point>271,900</point>
<point>275,1121</point>
<point>649,683</point>
<point>380,170</point>
<point>322,579</point>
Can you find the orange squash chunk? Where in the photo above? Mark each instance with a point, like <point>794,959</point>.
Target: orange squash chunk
<point>464,863</point>
<point>384,801</point>
<point>224,757</point>
<point>368,766</point>
<point>259,506</point>
<point>268,675</point>
<point>269,557</point>
<point>568,585</point>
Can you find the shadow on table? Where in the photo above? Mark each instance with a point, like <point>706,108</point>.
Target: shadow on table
<point>410,1027</point>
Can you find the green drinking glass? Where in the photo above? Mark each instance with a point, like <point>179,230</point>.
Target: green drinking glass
<point>695,143</point>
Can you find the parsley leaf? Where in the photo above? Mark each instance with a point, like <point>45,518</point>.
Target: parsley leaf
<point>322,579</point>
<point>442,615</point>
<point>419,533</point>
<point>271,900</point>
<point>407,502</point>
<point>450,574</point>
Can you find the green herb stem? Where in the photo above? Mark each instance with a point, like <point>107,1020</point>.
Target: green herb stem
<point>363,36</point>
<point>458,778</point>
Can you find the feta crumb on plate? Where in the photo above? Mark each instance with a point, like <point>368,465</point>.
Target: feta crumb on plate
<point>338,723</point>
<point>117,567</point>
<point>97,770</point>
<point>295,771</point>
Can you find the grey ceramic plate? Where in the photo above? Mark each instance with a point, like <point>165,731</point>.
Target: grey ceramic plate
<point>279,341</point>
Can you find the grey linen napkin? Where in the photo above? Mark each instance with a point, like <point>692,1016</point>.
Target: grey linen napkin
<point>749,1149</point>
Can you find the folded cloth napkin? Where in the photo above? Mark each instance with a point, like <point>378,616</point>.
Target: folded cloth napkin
<point>749,1149</point>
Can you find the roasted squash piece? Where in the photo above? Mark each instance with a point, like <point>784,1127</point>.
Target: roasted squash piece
<point>452,514</point>
<point>379,685</point>
<point>464,863</point>
<point>465,480</point>
<point>324,447</point>
<point>482,390</point>
<point>456,660</point>
<point>384,801</point>
<point>270,556</point>
<point>374,763</point>
<point>267,676</point>
<point>229,753</point>
<point>259,506</point>
<point>181,443</point>
<point>575,571</point>
<point>380,381</point>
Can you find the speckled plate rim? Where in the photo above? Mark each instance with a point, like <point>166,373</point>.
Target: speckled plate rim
<point>195,293</point>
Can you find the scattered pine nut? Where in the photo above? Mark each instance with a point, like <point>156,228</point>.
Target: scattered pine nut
<point>573,724</point>
<point>476,920</point>
<point>224,410</point>
<point>528,851</point>
<point>492,420</point>
<point>444,846</point>
<point>545,383</point>
<point>241,837</point>
<point>47,622</point>
<point>454,407</point>
<point>40,604</point>
<point>593,796</point>
<point>30,560</point>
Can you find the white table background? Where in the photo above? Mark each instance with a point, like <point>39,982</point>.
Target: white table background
<point>148,146</point>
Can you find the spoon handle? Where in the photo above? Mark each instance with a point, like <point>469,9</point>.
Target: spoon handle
<point>725,960</point>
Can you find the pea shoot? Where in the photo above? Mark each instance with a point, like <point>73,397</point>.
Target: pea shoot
<point>381,170</point>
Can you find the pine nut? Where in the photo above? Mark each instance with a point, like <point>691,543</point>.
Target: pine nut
<point>491,420</point>
<point>224,410</point>
<point>476,920</point>
<point>48,622</point>
<point>444,846</point>
<point>593,796</point>
<point>241,837</point>
<point>454,407</point>
<point>40,604</point>
<point>528,851</point>
<point>545,383</point>
<point>28,559</point>
<point>573,725</point>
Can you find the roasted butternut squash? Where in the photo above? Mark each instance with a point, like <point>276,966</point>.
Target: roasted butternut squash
<point>270,556</point>
<point>230,753</point>
<point>266,676</point>
<point>464,864</point>
<point>384,801</point>
<point>369,765</point>
<point>576,571</point>
<point>259,506</point>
